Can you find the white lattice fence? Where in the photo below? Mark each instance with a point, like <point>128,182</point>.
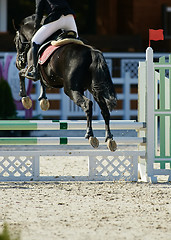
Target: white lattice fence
<point>25,166</point>
<point>122,166</point>
<point>16,167</point>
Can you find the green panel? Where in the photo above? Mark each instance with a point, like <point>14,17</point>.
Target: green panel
<point>162,136</point>
<point>162,60</point>
<point>18,126</point>
<point>170,80</point>
<point>155,133</point>
<point>55,121</point>
<point>162,89</point>
<point>169,59</point>
<point>167,66</point>
<point>170,136</point>
<point>162,118</point>
<point>18,141</point>
<point>63,140</point>
<point>63,125</point>
<point>162,164</point>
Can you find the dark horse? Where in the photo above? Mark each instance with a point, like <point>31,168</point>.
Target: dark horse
<point>76,68</point>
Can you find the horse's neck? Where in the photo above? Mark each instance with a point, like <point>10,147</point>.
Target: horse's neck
<point>28,32</point>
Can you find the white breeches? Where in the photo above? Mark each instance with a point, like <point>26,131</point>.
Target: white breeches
<point>64,22</point>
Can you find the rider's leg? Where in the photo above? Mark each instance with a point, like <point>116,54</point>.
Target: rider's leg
<point>68,23</point>
<point>34,73</point>
<point>64,22</point>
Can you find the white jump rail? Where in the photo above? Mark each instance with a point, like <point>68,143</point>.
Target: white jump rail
<point>102,164</point>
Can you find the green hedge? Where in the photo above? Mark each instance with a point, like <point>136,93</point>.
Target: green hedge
<point>7,105</point>
<point>6,235</point>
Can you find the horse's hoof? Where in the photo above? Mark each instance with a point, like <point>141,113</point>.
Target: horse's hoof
<point>94,142</point>
<point>27,102</point>
<point>111,144</point>
<point>44,104</point>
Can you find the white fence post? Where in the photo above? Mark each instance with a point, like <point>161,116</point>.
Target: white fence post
<point>126,99</point>
<point>150,113</point>
<point>142,86</point>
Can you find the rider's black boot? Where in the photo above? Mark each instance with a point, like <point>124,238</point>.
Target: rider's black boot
<point>34,73</point>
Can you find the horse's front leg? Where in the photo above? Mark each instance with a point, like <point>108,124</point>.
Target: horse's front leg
<point>42,92</point>
<point>22,92</point>
<point>88,111</point>
<point>26,101</point>
<point>44,102</point>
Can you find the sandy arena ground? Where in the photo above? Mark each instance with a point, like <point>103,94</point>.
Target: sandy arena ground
<point>87,210</point>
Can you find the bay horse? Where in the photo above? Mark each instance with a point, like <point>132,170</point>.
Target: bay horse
<point>74,67</point>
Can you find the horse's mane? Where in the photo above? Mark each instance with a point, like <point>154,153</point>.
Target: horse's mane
<point>31,19</point>
<point>27,26</point>
<point>28,19</point>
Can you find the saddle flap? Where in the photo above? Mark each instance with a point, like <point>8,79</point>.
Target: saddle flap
<point>46,54</point>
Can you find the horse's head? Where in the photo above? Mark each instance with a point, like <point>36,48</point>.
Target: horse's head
<point>22,40</point>
<point>22,46</point>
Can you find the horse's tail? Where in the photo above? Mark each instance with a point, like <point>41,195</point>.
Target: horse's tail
<point>102,85</point>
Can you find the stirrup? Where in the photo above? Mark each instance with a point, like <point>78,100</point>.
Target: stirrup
<point>33,75</point>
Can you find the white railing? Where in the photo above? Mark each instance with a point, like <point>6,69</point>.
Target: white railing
<point>123,68</point>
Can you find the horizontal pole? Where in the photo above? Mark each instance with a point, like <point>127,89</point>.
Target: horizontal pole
<point>161,171</point>
<point>69,125</point>
<point>166,65</point>
<point>165,112</point>
<point>64,140</point>
<point>73,152</point>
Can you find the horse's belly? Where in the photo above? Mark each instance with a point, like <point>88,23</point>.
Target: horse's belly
<point>51,82</point>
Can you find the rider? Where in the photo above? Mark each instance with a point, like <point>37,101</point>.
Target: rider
<point>59,16</point>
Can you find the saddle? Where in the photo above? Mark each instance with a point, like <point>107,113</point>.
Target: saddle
<point>48,48</point>
<point>52,44</point>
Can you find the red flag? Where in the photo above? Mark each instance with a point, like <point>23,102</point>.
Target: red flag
<point>155,35</point>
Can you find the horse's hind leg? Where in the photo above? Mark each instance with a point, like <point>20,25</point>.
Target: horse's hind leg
<point>111,144</point>
<point>44,102</point>
<point>26,101</point>
<point>86,106</point>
